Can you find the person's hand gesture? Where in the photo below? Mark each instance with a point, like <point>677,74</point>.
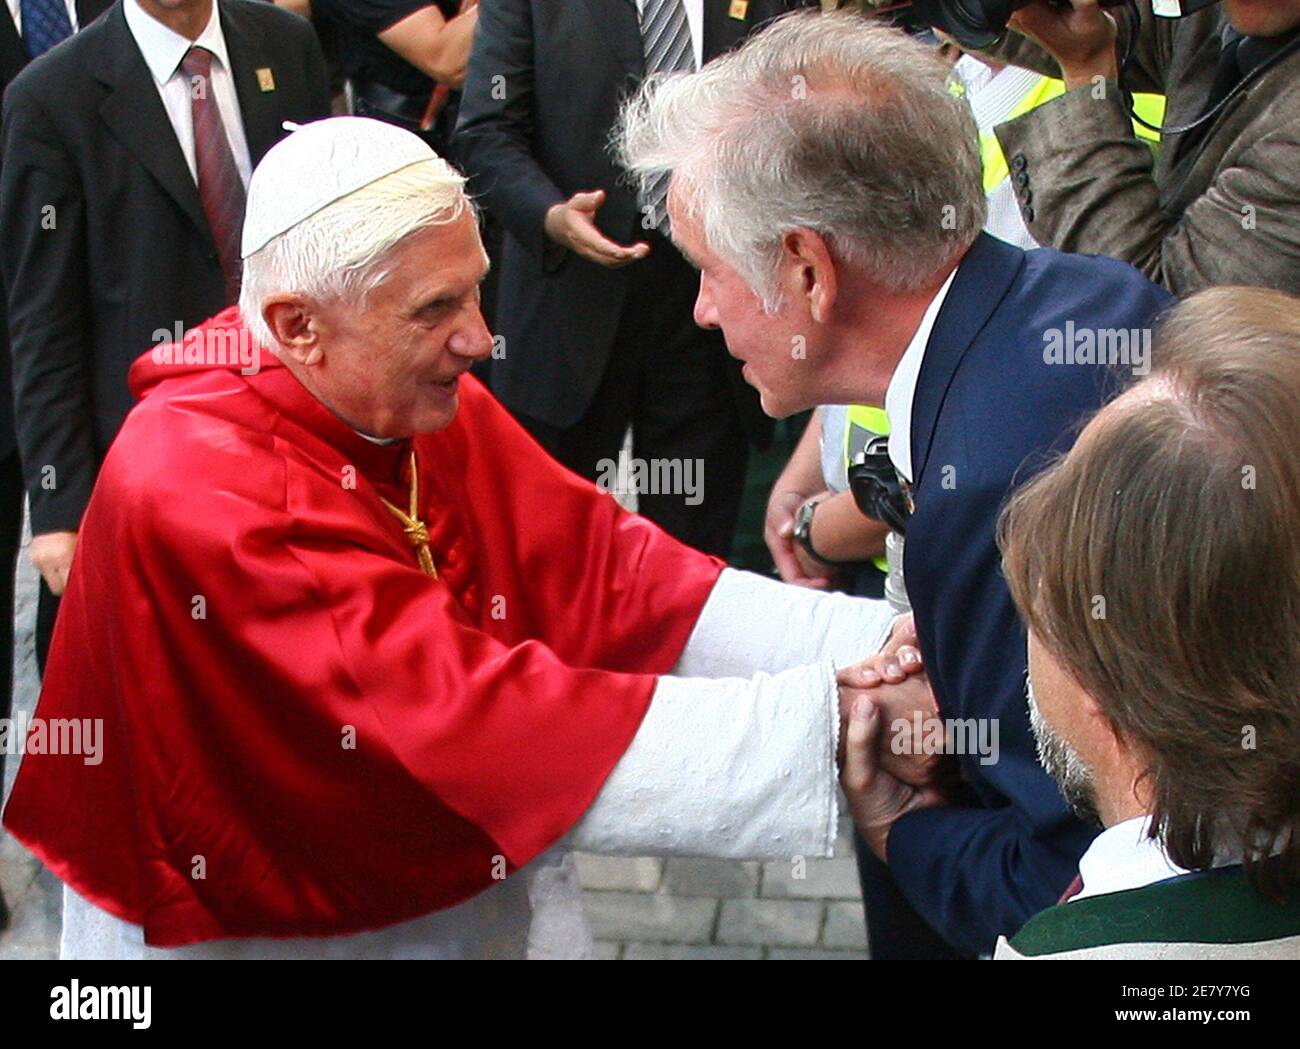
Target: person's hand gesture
<point>572,223</point>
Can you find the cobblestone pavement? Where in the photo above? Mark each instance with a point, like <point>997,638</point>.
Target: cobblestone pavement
<point>638,908</point>
<point>704,909</point>
<point>32,892</point>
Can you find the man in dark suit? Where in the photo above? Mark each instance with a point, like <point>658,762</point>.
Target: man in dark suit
<point>28,28</point>
<point>126,154</point>
<point>976,350</point>
<point>594,303</point>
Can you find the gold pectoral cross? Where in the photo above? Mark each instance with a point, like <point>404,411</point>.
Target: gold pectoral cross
<point>417,533</point>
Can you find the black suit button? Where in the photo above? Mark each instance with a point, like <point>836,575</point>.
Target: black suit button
<point>1019,163</point>
<point>1022,179</point>
<point>1029,214</point>
<point>212,257</point>
<point>1026,196</point>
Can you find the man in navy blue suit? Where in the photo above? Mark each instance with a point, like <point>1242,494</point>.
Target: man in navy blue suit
<point>827,185</point>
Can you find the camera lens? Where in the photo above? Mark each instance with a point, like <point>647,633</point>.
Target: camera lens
<point>972,23</point>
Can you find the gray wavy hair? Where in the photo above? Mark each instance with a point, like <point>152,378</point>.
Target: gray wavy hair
<point>825,122</point>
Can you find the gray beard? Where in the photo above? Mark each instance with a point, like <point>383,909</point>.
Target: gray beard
<point>1063,764</point>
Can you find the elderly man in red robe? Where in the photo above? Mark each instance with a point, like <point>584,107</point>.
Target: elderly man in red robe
<point>361,652</point>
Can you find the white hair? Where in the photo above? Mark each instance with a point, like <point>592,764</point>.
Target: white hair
<point>821,121</point>
<point>344,250</point>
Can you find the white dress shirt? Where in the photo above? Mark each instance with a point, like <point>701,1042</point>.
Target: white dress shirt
<point>902,385</point>
<point>163,50</point>
<point>695,19</point>
<point>992,98</point>
<point>16,12</point>
<point>1123,857</point>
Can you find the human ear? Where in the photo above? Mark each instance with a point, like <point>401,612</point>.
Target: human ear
<point>292,322</point>
<point>811,272</point>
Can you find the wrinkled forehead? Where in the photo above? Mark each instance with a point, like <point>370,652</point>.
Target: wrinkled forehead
<point>441,259</point>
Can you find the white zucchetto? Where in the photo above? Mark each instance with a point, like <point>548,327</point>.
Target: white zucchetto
<point>320,163</point>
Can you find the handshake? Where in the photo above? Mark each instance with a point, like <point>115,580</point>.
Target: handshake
<point>885,770</point>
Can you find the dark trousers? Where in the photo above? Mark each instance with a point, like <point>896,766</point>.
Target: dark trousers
<point>669,380</point>
<point>895,932</point>
<point>11,533</point>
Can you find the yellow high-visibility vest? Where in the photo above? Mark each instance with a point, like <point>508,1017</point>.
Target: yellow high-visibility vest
<point>1150,108</point>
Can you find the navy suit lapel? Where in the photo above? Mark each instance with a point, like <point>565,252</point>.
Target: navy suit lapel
<point>621,24</point>
<point>985,275</point>
<point>135,114</point>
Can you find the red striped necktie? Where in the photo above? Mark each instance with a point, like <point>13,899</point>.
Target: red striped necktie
<point>221,191</point>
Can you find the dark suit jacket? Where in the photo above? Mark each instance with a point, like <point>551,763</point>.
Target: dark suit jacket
<point>988,412</point>
<point>1224,210</point>
<point>566,65</point>
<point>127,251</point>
<point>13,59</point>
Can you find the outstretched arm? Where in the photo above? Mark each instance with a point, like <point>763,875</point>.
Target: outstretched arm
<point>742,769</point>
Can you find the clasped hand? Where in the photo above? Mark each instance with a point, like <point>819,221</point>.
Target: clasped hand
<point>885,770</point>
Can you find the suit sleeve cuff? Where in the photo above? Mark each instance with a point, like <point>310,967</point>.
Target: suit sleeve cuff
<point>58,515</point>
<point>1057,147</point>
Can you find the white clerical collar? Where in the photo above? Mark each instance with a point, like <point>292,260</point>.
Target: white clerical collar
<point>902,385</point>
<point>1124,857</point>
<point>378,440</point>
<point>163,48</point>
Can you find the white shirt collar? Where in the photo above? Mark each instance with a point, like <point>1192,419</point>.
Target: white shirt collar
<point>902,384</point>
<point>163,48</point>
<point>1123,857</point>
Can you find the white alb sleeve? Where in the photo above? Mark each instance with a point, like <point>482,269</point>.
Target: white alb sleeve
<point>751,624</point>
<point>734,768</point>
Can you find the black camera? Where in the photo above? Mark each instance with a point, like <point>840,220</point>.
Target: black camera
<point>877,491</point>
<point>979,24</point>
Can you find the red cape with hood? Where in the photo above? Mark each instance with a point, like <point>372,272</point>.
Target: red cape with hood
<point>303,734</point>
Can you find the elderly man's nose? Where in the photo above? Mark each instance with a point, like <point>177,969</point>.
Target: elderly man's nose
<point>472,339</point>
<point>706,314</point>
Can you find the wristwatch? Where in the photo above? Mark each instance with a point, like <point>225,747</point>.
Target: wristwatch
<point>803,533</point>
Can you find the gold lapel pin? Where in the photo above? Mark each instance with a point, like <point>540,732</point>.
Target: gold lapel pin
<point>266,79</point>
<point>739,8</point>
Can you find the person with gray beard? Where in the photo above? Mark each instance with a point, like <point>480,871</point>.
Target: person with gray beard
<point>1158,569</point>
